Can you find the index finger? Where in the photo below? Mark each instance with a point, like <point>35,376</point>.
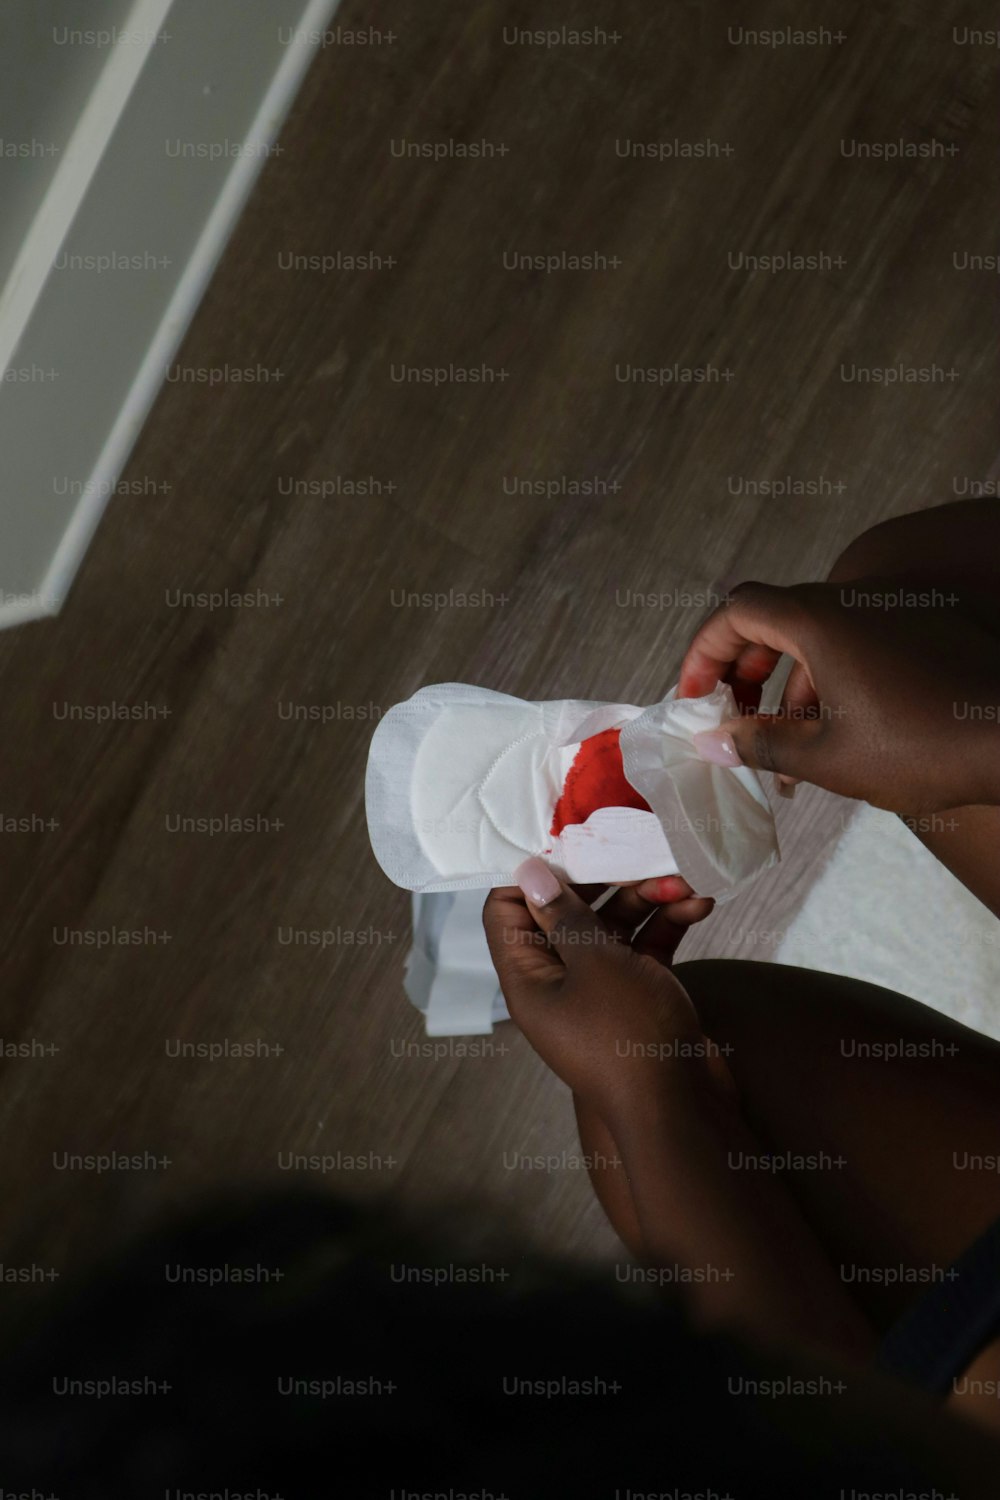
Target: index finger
<point>756,614</point>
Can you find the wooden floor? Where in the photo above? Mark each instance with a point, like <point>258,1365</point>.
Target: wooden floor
<point>222,693</point>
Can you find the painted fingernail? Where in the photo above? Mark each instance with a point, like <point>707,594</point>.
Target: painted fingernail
<point>537,881</point>
<point>663,888</point>
<point>717,746</point>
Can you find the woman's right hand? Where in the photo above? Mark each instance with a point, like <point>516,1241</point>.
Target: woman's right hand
<point>894,697</point>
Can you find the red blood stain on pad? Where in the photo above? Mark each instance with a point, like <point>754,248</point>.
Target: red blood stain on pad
<point>595,779</point>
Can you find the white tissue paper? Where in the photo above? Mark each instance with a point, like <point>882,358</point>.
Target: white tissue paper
<point>463,784</point>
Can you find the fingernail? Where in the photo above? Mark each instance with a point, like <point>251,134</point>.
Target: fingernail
<point>537,881</point>
<point>663,888</point>
<point>717,746</point>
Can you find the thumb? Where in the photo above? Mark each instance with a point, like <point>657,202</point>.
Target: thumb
<point>768,742</point>
<point>573,930</point>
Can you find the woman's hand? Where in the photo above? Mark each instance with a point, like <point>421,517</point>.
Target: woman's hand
<point>595,998</point>
<point>894,698</point>
<point>598,1002</point>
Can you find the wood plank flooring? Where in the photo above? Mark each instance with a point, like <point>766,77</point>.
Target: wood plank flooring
<point>222,694</point>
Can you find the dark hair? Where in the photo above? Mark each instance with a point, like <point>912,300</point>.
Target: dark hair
<point>362,1296</point>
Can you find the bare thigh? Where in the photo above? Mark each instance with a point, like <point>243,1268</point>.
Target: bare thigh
<point>895,1107</point>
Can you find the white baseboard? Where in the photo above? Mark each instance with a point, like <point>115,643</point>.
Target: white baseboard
<point>158,166</point>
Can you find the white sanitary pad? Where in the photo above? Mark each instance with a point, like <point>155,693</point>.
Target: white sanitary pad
<point>464,783</point>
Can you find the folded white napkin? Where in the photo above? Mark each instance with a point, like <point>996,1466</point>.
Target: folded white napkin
<point>464,783</point>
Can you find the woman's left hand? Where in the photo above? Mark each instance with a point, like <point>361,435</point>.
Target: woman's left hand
<point>596,997</point>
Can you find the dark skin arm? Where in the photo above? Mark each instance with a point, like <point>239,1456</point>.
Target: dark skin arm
<point>888,684</point>
<point>888,678</point>
<point>609,1017</point>
<point>959,543</point>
